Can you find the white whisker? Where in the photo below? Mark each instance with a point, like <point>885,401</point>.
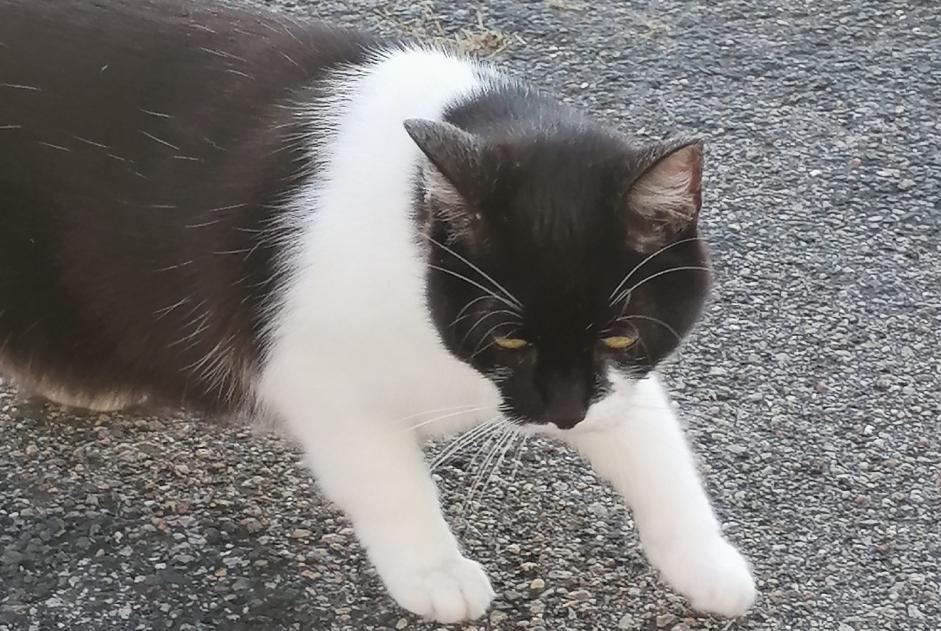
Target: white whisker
<point>654,320</point>
<point>475,284</point>
<point>486,469</point>
<point>443,417</point>
<point>681,268</point>
<point>464,440</point>
<point>449,408</point>
<point>627,276</point>
<point>460,314</point>
<point>487,336</point>
<point>484,317</point>
<point>516,302</point>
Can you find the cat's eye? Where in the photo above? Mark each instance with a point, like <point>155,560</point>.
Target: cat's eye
<point>510,343</point>
<point>619,342</point>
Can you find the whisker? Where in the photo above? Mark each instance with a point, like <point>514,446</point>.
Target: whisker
<point>449,408</point>
<point>487,336</point>
<point>460,314</point>
<point>477,269</point>
<point>484,317</point>
<point>495,470</point>
<point>464,440</point>
<point>488,466</point>
<point>485,450</point>
<point>627,277</point>
<point>518,457</point>
<point>477,285</point>
<point>682,268</point>
<point>443,417</point>
<point>654,320</point>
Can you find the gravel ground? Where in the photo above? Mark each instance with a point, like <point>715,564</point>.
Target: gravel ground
<point>812,389</point>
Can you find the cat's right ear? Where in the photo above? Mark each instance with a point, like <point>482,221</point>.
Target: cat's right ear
<point>454,155</point>
<point>449,174</point>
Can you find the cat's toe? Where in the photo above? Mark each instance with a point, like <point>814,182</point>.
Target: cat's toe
<point>714,578</point>
<point>455,590</point>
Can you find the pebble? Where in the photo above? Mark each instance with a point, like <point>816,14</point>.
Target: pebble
<point>627,623</point>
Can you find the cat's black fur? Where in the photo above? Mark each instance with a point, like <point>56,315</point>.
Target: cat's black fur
<point>546,188</point>
<point>105,227</point>
<point>146,148</point>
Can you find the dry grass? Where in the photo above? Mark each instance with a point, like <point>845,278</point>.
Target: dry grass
<point>480,41</point>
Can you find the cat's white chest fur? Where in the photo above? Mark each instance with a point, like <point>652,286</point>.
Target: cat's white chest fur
<point>354,314</point>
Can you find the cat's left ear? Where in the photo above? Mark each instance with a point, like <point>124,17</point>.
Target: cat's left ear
<point>664,201</point>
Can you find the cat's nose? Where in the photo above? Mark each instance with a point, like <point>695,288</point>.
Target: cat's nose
<point>567,413</point>
<point>565,400</point>
<point>567,422</point>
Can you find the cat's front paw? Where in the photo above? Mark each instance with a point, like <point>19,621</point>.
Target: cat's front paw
<point>714,577</point>
<point>452,591</point>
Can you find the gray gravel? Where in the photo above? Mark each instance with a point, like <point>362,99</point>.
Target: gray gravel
<point>812,389</point>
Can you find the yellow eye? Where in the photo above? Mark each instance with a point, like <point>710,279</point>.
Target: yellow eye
<point>620,342</point>
<point>510,343</point>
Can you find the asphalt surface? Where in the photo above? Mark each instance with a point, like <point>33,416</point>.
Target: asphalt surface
<point>812,388</point>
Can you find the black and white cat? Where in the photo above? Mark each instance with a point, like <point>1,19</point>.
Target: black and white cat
<point>368,243</point>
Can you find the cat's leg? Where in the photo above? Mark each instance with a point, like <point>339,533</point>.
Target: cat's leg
<point>642,451</point>
<point>376,472</point>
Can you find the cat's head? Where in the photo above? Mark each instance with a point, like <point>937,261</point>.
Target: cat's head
<point>559,261</point>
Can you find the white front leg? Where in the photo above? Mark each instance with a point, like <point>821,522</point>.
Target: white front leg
<point>375,471</point>
<point>634,440</point>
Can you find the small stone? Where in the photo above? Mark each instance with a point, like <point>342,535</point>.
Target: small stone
<point>845,627</point>
<point>581,594</point>
<point>232,561</point>
<point>537,585</point>
<point>599,510</point>
<point>498,617</point>
<point>665,620</point>
<point>241,584</point>
<point>300,533</point>
<point>401,624</point>
<point>251,525</point>
<point>680,627</point>
<point>31,450</point>
<point>627,623</point>
<point>915,613</point>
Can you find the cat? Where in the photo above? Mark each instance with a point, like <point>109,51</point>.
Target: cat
<point>367,242</point>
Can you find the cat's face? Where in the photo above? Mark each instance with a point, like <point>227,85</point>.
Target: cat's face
<point>559,263</point>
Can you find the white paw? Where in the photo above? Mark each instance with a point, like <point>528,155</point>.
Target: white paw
<point>715,577</point>
<point>450,592</point>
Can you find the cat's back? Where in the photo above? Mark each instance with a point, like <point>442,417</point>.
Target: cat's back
<point>95,80</point>
<point>144,146</point>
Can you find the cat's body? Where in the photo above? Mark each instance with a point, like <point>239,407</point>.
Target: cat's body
<point>366,244</point>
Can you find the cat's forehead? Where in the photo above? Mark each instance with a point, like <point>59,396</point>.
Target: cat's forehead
<point>569,282</point>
